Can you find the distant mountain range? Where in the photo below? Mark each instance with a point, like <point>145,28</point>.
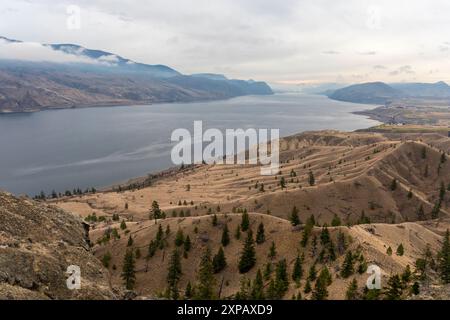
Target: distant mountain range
<point>382,93</point>
<point>98,78</point>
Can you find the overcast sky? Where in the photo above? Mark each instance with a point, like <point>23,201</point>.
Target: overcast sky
<point>285,41</point>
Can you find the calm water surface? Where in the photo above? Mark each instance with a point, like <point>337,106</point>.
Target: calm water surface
<point>64,149</point>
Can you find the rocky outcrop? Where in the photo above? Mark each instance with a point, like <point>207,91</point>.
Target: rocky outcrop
<point>37,244</point>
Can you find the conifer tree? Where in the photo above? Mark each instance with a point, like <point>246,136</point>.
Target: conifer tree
<point>336,221</point>
<point>187,244</point>
<point>206,281</point>
<point>352,291</point>
<point>248,255</point>
<point>420,213</point>
<point>394,288</point>
<point>271,291</point>
<point>219,261</point>
<point>282,183</point>
<point>295,220</point>
<point>307,288</point>
<point>258,287</point>
<point>394,185</point>
<point>214,220</point>
<point>128,272</point>
<point>400,250</point>
<point>347,267</point>
<point>325,236</point>
<point>245,223</point>
<point>130,241</point>
<point>311,178</point>
<point>312,274</point>
<point>174,275</point>
<point>155,212</point>
<point>444,259</point>
<point>123,225</point>
<point>188,292</point>
<point>225,236</point>
<point>237,233</point>
<point>179,238</point>
<point>159,235</point>
<point>320,291</point>
<point>297,271</point>
<point>260,236</point>
<point>389,251</point>
<point>272,251</point>
<point>281,278</point>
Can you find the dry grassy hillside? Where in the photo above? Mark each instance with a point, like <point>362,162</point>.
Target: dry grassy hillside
<point>392,182</point>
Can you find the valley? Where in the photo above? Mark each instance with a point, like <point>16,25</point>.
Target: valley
<point>352,192</point>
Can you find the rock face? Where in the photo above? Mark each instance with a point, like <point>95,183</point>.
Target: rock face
<point>37,244</point>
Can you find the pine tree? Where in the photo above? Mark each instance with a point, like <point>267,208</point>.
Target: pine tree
<point>130,241</point>
<point>320,289</point>
<point>347,267</point>
<point>179,238</point>
<point>260,236</point>
<point>410,194</point>
<point>188,293</point>
<point>206,281</point>
<point>394,185</point>
<point>271,291</point>
<point>245,223</point>
<point>257,292</point>
<point>237,233</point>
<point>225,236</point>
<point>352,291</point>
<point>282,183</point>
<point>248,256</point>
<point>444,259</point>
<point>219,261</point>
<point>272,251</point>
<point>297,271</point>
<point>312,274</point>
<point>400,250</point>
<point>424,153</point>
<point>187,244</point>
<point>123,225</point>
<point>214,220</point>
<point>341,242</point>
<point>442,191</point>
<point>336,221</point>
<point>443,157</point>
<point>311,179</point>
<point>295,220</point>
<point>325,236</point>
<point>420,213</point>
<point>281,278</point>
<point>389,251</point>
<point>159,235</point>
<point>155,212</point>
<point>406,275</point>
<point>394,289</point>
<point>128,272</point>
<point>307,288</point>
<point>174,275</point>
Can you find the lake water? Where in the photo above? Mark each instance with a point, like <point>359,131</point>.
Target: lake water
<point>65,149</point>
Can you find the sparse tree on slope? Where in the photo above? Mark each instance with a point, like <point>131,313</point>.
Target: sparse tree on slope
<point>444,259</point>
<point>206,281</point>
<point>248,256</point>
<point>128,272</point>
<point>174,275</point>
